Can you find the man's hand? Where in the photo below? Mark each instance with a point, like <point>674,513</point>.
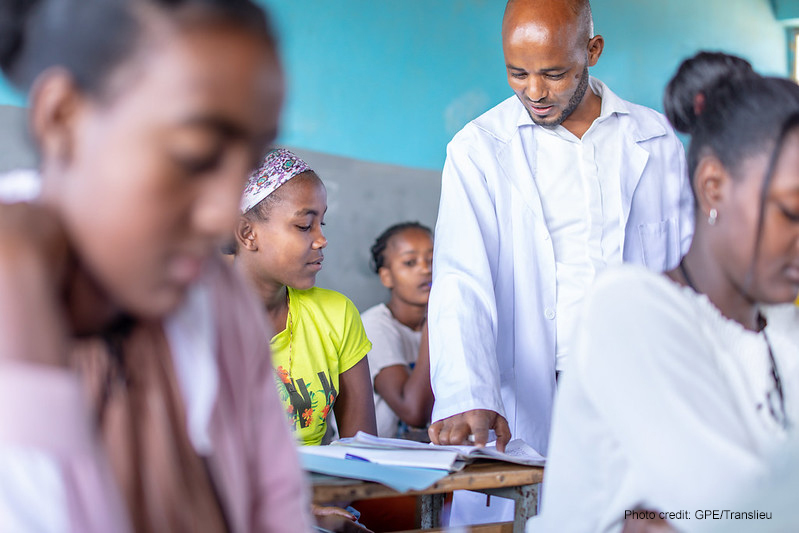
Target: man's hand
<point>457,428</point>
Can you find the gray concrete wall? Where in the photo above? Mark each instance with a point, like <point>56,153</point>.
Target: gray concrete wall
<point>15,149</point>
<point>363,199</point>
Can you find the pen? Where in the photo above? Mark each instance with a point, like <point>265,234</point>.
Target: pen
<point>356,457</point>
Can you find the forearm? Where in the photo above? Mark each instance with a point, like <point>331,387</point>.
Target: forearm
<point>413,402</point>
<point>464,369</point>
<point>462,310</point>
<point>354,407</point>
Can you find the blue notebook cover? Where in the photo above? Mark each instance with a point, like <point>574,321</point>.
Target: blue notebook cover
<point>399,478</point>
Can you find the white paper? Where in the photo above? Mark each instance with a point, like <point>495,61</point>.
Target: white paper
<point>517,451</point>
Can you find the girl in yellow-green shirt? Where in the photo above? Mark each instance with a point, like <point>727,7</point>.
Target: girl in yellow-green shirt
<point>320,347</point>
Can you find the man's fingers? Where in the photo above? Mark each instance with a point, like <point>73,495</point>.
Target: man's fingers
<point>459,434</point>
<point>443,435</point>
<point>456,429</point>
<point>434,432</point>
<point>502,430</point>
<point>479,426</point>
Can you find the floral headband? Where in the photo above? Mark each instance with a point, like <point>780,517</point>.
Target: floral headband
<point>279,166</point>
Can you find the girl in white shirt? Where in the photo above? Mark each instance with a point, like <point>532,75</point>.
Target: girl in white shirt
<point>683,383</point>
<point>402,256</point>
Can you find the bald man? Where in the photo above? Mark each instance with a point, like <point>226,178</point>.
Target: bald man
<point>539,195</point>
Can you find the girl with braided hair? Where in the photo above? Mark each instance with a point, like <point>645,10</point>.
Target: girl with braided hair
<point>399,362</point>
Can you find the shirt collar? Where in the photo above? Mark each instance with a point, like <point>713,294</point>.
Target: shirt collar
<point>610,102</point>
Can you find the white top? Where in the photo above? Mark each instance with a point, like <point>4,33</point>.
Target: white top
<point>19,185</point>
<point>768,506</point>
<point>578,180</point>
<point>664,406</point>
<point>393,343</point>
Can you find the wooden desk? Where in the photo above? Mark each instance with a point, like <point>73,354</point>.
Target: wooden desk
<point>506,480</point>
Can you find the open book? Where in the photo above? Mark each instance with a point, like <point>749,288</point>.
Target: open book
<point>399,452</point>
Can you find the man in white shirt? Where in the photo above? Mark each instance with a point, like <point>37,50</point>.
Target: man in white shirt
<point>539,195</point>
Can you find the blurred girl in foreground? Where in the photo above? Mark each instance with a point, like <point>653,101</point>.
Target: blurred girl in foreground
<point>116,320</point>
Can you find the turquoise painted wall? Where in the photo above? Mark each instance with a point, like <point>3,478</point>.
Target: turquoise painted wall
<point>786,10</point>
<point>392,80</point>
<point>646,40</point>
<point>8,95</point>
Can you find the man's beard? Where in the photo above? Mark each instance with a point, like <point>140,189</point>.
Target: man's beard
<point>574,101</point>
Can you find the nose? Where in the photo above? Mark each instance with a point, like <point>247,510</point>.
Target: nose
<point>536,89</point>
<point>319,241</point>
<point>427,266</point>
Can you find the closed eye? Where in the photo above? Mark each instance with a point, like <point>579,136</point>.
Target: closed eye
<point>194,165</point>
<point>791,215</point>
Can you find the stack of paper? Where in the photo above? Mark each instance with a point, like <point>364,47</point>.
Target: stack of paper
<point>405,464</point>
<point>517,451</point>
<point>399,452</point>
<point>416,457</point>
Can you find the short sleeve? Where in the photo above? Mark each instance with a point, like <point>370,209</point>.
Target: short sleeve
<point>354,342</point>
<point>386,342</point>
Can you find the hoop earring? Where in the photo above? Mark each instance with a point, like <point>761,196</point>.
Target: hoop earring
<point>713,216</point>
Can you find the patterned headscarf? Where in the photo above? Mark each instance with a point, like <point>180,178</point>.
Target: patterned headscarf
<point>279,166</point>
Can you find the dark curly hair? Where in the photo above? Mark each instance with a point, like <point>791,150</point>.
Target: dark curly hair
<point>379,247</point>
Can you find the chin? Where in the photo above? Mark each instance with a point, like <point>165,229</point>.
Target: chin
<point>786,294</point>
<point>420,301</point>
<point>550,122</point>
<point>304,285</point>
<point>154,305</point>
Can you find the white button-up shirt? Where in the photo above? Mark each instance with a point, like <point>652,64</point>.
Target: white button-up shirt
<point>578,181</point>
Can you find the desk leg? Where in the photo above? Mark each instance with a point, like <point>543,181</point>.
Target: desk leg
<point>431,505</point>
<point>526,498</point>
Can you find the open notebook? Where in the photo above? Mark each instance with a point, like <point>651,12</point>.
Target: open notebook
<point>399,452</point>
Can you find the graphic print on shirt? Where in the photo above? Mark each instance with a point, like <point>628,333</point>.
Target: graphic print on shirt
<point>302,402</point>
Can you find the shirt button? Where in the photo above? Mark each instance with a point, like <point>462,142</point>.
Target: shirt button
<point>546,236</point>
<point>549,313</point>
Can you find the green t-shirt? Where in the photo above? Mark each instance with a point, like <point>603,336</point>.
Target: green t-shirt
<point>327,338</point>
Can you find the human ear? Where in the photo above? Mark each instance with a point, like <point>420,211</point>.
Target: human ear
<point>386,278</point>
<point>711,181</point>
<point>595,46</point>
<point>55,102</point>
<point>245,235</point>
